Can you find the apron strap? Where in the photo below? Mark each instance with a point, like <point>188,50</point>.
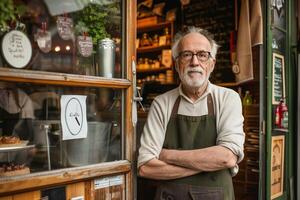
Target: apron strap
<point>210,105</point>
<point>175,107</point>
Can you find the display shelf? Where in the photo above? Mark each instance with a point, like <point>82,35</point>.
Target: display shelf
<point>153,27</point>
<point>148,49</point>
<point>229,84</point>
<point>161,69</point>
<point>163,77</point>
<point>284,130</point>
<point>53,78</point>
<point>15,148</point>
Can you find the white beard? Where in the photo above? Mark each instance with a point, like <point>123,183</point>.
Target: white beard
<point>193,82</point>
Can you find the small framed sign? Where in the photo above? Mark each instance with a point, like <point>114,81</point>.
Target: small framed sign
<point>278,79</point>
<point>277,166</point>
<point>16,49</point>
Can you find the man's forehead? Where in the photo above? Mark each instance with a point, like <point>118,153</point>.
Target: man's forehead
<point>194,39</point>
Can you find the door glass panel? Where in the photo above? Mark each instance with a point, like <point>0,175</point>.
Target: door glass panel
<point>36,115</point>
<point>67,37</point>
<point>278,41</point>
<point>278,13</point>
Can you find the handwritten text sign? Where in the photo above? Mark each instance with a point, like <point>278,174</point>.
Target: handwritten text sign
<point>16,49</point>
<point>278,85</point>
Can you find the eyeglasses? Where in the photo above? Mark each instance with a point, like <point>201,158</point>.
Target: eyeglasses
<point>187,56</point>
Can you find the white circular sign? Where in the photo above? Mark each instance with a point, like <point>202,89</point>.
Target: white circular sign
<point>74,116</point>
<point>16,49</point>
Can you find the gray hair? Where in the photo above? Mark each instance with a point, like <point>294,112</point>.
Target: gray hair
<point>193,29</point>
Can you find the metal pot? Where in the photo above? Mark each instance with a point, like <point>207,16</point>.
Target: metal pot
<point>106,57</point>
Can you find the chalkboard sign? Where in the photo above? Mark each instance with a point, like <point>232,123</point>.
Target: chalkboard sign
<point>278,81</point>
<point>16,49</point>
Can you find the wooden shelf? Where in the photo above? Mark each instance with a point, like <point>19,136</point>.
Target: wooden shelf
<point>229,84</point>
<point>284,130</point>
<point>153,27</point>
<point>53,78</point>
<point>161,69</point>
<point>152,48</point>
<point>234,84</point>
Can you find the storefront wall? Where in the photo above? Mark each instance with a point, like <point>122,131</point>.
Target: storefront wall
<point>66,97</point>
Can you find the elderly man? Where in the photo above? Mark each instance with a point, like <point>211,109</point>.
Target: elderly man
<point>193,137</point>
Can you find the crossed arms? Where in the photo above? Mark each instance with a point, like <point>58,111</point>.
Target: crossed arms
<point>173,164</point>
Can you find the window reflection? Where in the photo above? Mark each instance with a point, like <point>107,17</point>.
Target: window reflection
<point>278,42</point>
<point>65,35</point>
<point>33,114</point>
<point>278,13</point>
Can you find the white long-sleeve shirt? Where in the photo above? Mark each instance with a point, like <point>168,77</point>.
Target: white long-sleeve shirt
<point>229,120</point>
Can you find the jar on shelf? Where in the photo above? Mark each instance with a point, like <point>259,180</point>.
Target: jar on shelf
<point>145,41</point>
<point>140,63</point>
<point>155,40</point>
<point>146,64</point>
<point>151,64</point>
<point>156,64</point>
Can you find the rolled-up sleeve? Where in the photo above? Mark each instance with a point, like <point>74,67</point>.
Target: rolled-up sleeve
<point>153,135</point>
<point>230,126</point>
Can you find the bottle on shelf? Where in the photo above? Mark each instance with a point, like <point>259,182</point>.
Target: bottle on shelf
<point>278,114</point>
<point>168,36</point>
<point>281,115</point>
<point>285,115</point>
<point>155,40</point>
<point>145,41</point>
<point>247,100</point>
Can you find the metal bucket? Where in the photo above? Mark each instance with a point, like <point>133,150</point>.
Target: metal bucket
<point>78,152</point>
<point>91,150</point>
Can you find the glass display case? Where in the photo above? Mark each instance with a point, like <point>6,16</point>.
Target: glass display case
<point>65,95</point>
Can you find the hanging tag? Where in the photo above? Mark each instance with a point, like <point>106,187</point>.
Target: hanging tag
<point>85,45</point>
<point>235,68</point>
<point>43,39</point>
<point>65,27</point>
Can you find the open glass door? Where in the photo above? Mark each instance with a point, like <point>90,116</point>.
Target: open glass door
<point>278,161</point>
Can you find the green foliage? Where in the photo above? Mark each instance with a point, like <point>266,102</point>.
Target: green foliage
<point>94,19</point>
<point>9,13</point>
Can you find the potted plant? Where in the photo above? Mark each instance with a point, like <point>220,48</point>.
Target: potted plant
<point>9,13</point>
<point>96,19</point>
<point>92,19</point>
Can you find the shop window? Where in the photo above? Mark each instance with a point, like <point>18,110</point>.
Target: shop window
<point>64,36</point>
<point>45,121</point>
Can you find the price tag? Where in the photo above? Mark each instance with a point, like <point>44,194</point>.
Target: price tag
<point>65,27</point>
<point>44,41</point>
<point>85,45</point>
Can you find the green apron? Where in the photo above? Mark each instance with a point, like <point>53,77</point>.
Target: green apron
<point>185,133</point>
